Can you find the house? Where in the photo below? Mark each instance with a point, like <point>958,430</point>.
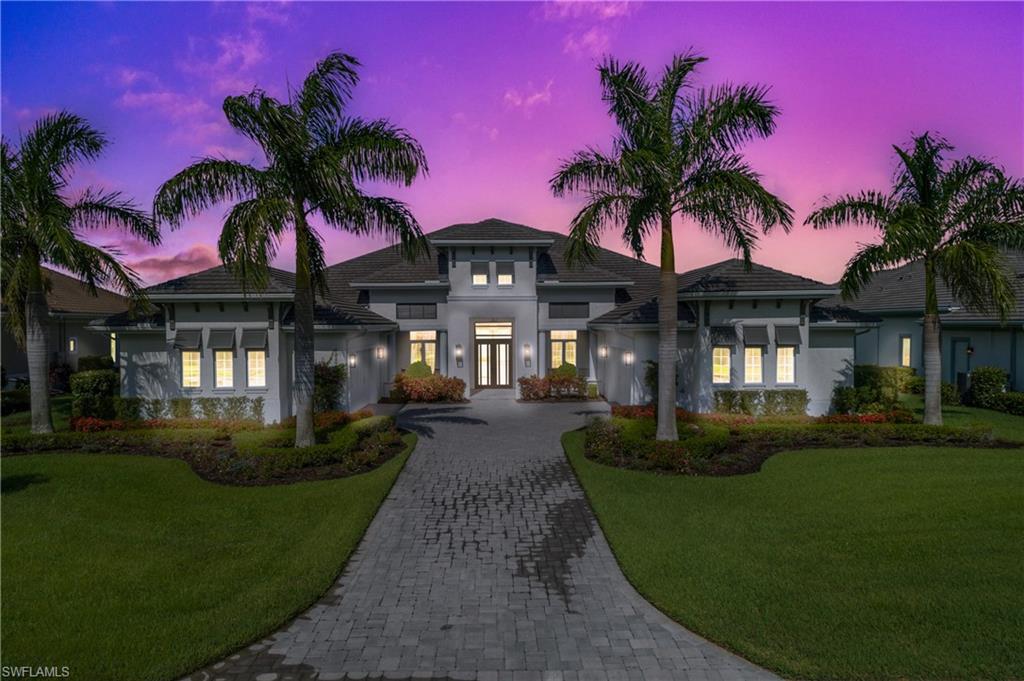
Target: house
<point>72,306</point>
<point>491,302</point>
<point>970,338</point>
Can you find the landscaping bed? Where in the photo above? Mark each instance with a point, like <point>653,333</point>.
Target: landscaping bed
<point>722,445</point>
<point>233,452</point>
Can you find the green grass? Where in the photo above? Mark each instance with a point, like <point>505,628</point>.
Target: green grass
<point>60,411</point>
<point>1005,426</point>
<point>851,564</point>
<point>133,568</point>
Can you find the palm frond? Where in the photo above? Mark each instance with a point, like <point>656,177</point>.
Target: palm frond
<point>627,93</point>
<point>327,89</point>
<point>976,274</point>
<point>601,211</point>
<point>587,169</point>
<point>378,216</point>
<point>371,151</point>
<point>54,145</point>
<point>867,208</point>
<point>673,80</point>
<point>725,194</point>
<point>869,258</point>
<point>98,210</point>
<point>203,185</point>
<point>721,118</point>
<point>251,236</point>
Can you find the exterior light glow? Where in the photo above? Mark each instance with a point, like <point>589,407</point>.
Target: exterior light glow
<point>458,354</point>
<point>380,352</point>
<point>527,354</point>
<point>352,359</point>
<point>627,357</point>
<point>602,352</point>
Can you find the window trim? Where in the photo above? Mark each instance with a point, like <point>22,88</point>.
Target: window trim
<point>425,310</point>
<point>562,345</point>
<point>475,265</point>
<point>216,370</point>
<point>909,340</point>
<point>423,351</point>
<point>498,273</point>
<point>248,367</point>
<point>778,348</point>
<point>198,365</point>
<point>728,365</point>
<point>748,350</point>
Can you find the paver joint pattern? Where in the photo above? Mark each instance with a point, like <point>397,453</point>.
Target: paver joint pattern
<point>485,563</point>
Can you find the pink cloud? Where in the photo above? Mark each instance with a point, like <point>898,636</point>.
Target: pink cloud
<point>158,268</point>
<point>528,99</point>
<point>226,69</point>
<point>577,9</point>
<point>591,43</point>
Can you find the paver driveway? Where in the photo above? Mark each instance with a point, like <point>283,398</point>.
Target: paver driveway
<point>485,562</point>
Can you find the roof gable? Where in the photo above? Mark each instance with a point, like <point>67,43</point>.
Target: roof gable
<point>68,295</point>
<point>220,280</point>
<point>733,276</point>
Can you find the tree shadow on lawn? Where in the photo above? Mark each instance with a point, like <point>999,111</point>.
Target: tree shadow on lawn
<point>16,483</point>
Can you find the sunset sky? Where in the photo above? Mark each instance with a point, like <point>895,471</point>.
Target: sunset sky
<point>498,93</point>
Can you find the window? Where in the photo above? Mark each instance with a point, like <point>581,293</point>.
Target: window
<point>416,310</point>
<point>721,356</point>
<point>563,348</point>
<point>480,272</point>
<point>224,369</point>
<point>568,310</point>
<point>752,365</point>
<point>256,368</point>
<point>72,345</point>
<point>423,348</point>
<point>506,273</point>
<point>785,364</point>
<point>113,348</point>
<point>189,368</point>
<point>904,351</point>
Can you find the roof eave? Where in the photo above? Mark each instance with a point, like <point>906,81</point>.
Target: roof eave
<point>492,242</point>
<point>583,284</point>
<point>772,293</point>
<point>408,284</point>
<point>245,297</point>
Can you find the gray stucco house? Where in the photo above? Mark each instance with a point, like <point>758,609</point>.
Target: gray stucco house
<point>494,301</point>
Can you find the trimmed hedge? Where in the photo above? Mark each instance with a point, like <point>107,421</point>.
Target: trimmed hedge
<point>987,384</point>
<point>418,370</point>
<point>1010,402</point>
<point>92,394</point>
<point>433,388</point>
<point>237,408</point>
<point>782,402</point>
<point>96,363</point>
<point>889,381</point>
<point>328,385</point>
<point>950,394</point>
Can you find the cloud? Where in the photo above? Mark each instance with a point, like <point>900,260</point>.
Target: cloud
<point>591,43</point>
<point>556,10</point>
<point>460,119</point>
<point>530,98</point>
<point>269,12</point>
<point>225,66</point>
<point>125,76</point>
<point>156,268</point>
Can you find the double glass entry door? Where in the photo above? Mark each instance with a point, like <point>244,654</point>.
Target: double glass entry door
<point>493,354</point>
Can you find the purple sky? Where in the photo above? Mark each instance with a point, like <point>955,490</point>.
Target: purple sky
<point>498,93</point>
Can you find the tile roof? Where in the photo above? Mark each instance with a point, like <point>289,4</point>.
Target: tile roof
<point>901,289</point>
<point>732,276</point>
<point>339,314</point>
<point>68,295</point>
<point>643,311</point>
<point>823,313</point>
<point>220,279</point>
<point>491,229</point>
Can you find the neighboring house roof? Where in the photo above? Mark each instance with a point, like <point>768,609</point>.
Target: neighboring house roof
<point>733,276</point>
<point>840,314</point>
<point>901,290</point>
<point>642,312</point>
<point>71,296</point>
<point>220,280</point>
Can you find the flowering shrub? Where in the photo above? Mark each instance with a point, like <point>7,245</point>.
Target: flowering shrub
<point>326,420</point>
<point>891,416</point>
<point>533,388</point>
<point>90,424</point>
<point>650,411</point>
<point>434,388</point>
<point>559,385</point>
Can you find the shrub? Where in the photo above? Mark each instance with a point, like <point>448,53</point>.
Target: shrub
<point>592,392</point>
<point>182,408</point>
<point>784,402</point>
<point>418,370</point>
<point>329,383</point>
<point>561,383</point>
<point>129,408</point>
<point>651,379</point>
<point>893,416</point>
<point>237,408</point>
<point>950,394</point>
<point>96,363</point>
<point>60,376</point>
<point>256,409</point>
<point>1010,402</point>
<point>533,388</point>
<point>93,394</point>
<point>209,407</point>
<point>433,388</point>
<point>987,383</point>
<point>888,381</point>
<point>12,401</point>
<point>89,424</point>
<point>156,409</point>
<point>861,400</point>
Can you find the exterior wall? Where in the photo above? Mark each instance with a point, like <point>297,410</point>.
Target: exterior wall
<point>367,373</point>
<point>881,345</point>
<point>828,362</point>
<point>61,329</point>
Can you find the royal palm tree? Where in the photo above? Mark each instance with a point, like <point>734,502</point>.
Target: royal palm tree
<point>316,158</point>
<point>955,218</point>
<point>41,225</point>
<point>675,154</point>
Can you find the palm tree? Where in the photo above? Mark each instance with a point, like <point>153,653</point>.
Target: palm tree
<point>316,157</point>
<point>40,225</point>
<point>675,154</point>
<point>955,218</point>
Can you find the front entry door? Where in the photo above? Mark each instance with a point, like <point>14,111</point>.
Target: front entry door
<point>493,345</point>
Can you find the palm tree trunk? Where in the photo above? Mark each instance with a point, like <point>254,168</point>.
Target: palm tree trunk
<point>36,316</point>
<point>932,351</point>
<point>304,356</point>
<point>668,314</point>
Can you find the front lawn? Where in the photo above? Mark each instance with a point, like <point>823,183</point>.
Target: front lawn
<point>125,567</point>
<point>901,563</point>
<point>1004,426</point>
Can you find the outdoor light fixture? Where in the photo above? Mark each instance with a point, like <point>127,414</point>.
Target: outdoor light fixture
<point>602,351</point>
<point>458,355</point>
<point>970,350</point>
<point>352,359</point>
<point>380,352</point>
<point>627,357</point>
<point>527,354</point>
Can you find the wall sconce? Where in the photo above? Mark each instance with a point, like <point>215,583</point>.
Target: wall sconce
<point>527,354</point>
<point>602,351</point>
<point>627,357</point>
<point>458,355</point>
<point>970,350</point>
<point>380,352</point>
<point>352,359</point>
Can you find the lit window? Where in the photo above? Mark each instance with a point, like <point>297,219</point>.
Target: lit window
<point>423,347</point>
<point>506,273</point>
<point>72,345</point>
<point>480,271</point>
<point>904,351</point>
<point>563,348</point>
<point>113,348</point>
<point>752,365</point>
<point>224,365</point>
<point>785,368</point>
<point>720,358</point>
<point>189,368</point>
<point>256,368</point>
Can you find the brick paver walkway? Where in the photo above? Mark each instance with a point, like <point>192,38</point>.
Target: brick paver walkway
<point>485,562</point>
